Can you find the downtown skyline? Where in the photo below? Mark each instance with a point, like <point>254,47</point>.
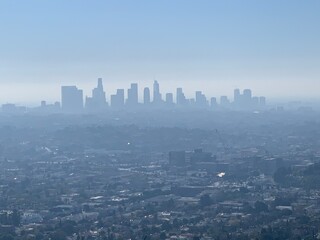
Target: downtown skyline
<point>16,93</point>
<point>73,100</point>
<point>52,93</point>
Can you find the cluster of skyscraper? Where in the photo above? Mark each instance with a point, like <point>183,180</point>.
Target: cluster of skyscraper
<point>72,99</point>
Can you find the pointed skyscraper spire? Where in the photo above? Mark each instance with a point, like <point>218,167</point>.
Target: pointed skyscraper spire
<point>100,86</point>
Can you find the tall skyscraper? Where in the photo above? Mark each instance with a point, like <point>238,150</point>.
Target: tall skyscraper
<point>247,98</point>
<point>247,93</point>
<point>120,94</point>
<point>157,98</point>
<point>255,102</point>
<point>98,100</point>
<point>201,100</point>
<point>224,101</point>
<point>117,100</point>
<point>262,101</point>
<point>98,93</point>
<point>132,99</point>
<point>71,99</point>
<point>169,99</point>
<point>213,102</point>
<point>236,97</point>
<point>181,99</point>
<point>146,95</point>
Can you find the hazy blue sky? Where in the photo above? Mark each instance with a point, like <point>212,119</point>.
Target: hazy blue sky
<point>272,46</point>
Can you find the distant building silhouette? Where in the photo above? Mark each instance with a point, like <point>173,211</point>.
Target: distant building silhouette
<point>201,100</point>
<point>132,99</point>
<point>262,101</point>
<point>236,95</point>
<point>247,98</point>
<point>117,100</point>
<point>169,99</point>
<point>224,101</point>
<point>213,102</point>
<point>255,102</point>
<point>146,95</point>
<point>50,108</point>
<point>181,99</point>
<point>71,99</point>
<point>237,98</point>
<point>157,98</point>
<point>98,100</point>
<point>11,108</point>
<point>246,101</point>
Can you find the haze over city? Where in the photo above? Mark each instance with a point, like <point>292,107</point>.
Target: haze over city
<point>159,120</point>
<point>271,47</point>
